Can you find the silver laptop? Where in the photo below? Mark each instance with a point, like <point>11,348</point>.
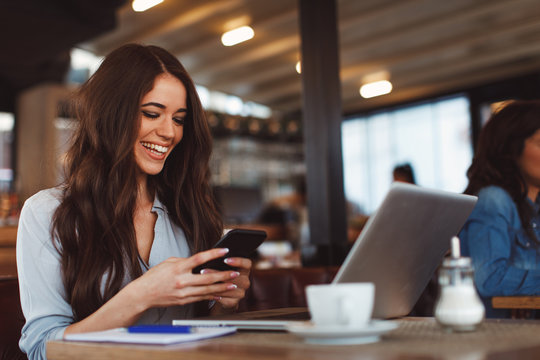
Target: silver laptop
<point>399,250</point>
<point>402,244</point>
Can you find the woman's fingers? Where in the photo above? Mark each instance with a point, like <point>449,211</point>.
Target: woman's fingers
<point>231,298</point>
<point>239,262</point>
<point>203,292</point>
<point>205,256</point>
<point>173,280</point>
<point>209,278</point>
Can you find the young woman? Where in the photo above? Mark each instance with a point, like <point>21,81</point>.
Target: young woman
<point>502,235</point>
<point>116,243</point>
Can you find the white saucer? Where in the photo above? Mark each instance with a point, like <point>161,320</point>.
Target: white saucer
<point>340,335</point>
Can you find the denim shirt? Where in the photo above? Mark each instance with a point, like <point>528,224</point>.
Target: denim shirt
<point>506,260</point>
<point>43,296</point>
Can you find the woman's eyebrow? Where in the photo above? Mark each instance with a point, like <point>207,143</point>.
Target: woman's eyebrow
<point>161,106</point>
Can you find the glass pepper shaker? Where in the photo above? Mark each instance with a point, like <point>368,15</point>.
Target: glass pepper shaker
<point>458,307</point>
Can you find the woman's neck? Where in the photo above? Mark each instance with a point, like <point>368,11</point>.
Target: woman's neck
<point>532,193</point>
<point>144,196</point>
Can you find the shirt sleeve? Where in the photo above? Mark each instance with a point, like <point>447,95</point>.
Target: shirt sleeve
<point>490,237</point>
<point>42,291</point>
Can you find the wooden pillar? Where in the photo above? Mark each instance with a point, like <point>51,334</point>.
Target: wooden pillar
<point>322,116</point>
<point>38,162</point>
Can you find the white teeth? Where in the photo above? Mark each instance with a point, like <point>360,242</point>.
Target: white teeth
<point>158,149</point>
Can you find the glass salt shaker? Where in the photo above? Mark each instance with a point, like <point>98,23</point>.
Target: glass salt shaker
<point>458,307</point>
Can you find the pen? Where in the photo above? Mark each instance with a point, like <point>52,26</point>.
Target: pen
<point>160,329</point>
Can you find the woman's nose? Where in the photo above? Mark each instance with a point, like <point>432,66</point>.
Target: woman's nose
<point>166,128</point>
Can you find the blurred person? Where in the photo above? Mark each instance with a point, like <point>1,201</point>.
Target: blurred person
<point>288,213</point>
<point>116,243</point>
<point>502,233</point>
<point>404,173</point>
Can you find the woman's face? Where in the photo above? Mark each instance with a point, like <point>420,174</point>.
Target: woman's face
<point>162,113</point>
<point>529,162</point>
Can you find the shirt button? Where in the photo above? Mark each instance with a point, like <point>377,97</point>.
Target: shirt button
<point>534,225</point>
<point>528,244</point>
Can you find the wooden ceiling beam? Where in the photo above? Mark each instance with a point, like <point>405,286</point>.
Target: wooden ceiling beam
<point>438,50</point>
<point>439,79</point>
<point>209,45</point>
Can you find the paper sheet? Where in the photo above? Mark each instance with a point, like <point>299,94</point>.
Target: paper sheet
<point>121,335</point>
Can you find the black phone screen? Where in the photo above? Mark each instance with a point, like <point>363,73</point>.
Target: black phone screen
<point>240,242</point>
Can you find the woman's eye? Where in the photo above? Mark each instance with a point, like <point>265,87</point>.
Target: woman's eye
<point>150,115</point>
<point>179,121</point>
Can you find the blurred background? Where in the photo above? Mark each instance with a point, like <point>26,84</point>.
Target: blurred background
<point>444,65</point>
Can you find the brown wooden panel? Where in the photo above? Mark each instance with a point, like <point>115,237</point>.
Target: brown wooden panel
<point>8,263</point>
<point>8,236</point>
<point>516,302</point>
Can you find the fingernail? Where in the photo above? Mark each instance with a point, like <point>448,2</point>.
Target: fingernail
<point>235,274</point>
<point>217,298</point>
<point>204,271</point>
<point>223,251</point>
<point>231,287</point>
<point>228,260</point>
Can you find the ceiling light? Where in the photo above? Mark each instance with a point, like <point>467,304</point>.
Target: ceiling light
<point>143,5</point>
<point>376,88</point>
<point>299,67</point>
<point>237,35</point>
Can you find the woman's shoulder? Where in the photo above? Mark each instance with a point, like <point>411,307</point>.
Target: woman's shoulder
<point>36,216</point>
<point>495,198</point>
<point>494,192</point>
<point>44,200</point>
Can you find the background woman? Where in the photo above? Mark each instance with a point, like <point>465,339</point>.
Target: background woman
<point>502,234</point>
<point>113,245</point>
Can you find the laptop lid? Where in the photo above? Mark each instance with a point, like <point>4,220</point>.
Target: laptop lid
<point>402,244</point>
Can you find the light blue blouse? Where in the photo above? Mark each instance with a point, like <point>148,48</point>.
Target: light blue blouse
<point>43,297</point>
<point>505,258</point>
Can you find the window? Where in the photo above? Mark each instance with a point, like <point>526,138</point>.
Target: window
<point>433,137</point>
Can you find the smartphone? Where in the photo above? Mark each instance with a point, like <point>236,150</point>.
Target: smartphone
<point>240,242</point>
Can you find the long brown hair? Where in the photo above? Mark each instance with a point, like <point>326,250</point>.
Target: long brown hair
<point>500,144</point>
<point>94,221</point>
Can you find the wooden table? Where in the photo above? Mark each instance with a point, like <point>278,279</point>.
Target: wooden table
<point>416,338</point>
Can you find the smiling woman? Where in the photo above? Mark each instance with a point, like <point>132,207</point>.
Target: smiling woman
<point>115,244</point>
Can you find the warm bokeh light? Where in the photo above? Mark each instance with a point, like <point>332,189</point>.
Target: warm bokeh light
<point>143,5</point>
<point>376,88</point>
<point>237,35</point>
<point>299,67</point>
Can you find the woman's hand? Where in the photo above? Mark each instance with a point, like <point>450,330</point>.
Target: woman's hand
<point>230,298</point>
<point>172,282</point>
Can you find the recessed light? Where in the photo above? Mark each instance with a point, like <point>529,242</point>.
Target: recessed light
<point>376,88</point>
<point>237,35</point>
<point>143,5</point>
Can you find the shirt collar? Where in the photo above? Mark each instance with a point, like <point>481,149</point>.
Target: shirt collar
<point>158,205</point>
<point>535,204</point>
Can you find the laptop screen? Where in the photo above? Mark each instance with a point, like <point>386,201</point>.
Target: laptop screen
<point>402,244</point>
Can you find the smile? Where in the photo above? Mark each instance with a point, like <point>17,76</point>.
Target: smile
<point>154,148</point>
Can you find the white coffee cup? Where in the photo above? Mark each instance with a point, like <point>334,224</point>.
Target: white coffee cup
<point>348,304</point>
